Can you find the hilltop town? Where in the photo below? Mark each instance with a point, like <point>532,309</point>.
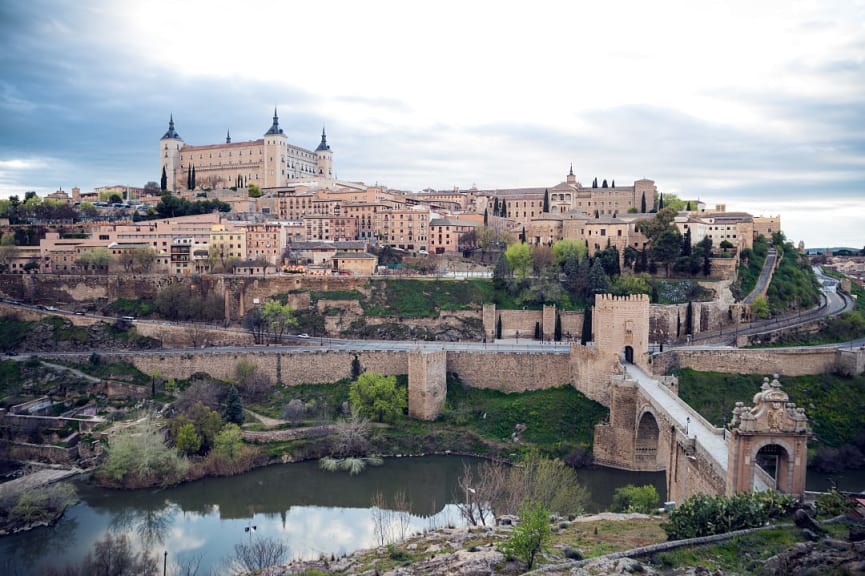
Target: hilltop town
<point>267,206</point>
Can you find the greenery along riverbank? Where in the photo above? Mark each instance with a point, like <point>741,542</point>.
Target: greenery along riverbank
<point>834,404</point>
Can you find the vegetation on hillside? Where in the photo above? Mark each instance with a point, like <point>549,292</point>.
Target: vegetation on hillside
<point>839,434</point>
<point>793,285</point>
<point>751,262</point>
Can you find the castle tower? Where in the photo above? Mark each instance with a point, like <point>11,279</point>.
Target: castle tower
<point>572,180</point>
<point>324,158</point>
<point>275,148</point>
<point>170,145</point>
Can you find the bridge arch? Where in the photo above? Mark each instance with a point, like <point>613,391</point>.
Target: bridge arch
<point>772,461</point>
<point>646,439</point>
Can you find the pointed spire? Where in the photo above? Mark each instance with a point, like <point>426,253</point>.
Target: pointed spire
<point>228,136</point>
<point>571,173</point>
<point>323,146</point>
<point>275,129</point>
<point>172,133</point>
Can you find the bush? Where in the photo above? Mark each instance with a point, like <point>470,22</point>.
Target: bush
<point>704,515</point>
<point>630,498</point>
<point>531,536</point>
<point>832,503</point>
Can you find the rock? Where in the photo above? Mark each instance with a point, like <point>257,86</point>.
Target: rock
<point>857,533</point>
<point>803,520</point>
<point>810,535</point>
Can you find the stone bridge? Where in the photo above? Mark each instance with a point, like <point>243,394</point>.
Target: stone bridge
<point>649,428</point>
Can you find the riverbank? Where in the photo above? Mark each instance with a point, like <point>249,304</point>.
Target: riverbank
<point>36,499</point>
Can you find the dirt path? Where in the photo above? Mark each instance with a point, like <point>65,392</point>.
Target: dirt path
<point>268,422</point>
<point>35,480</point>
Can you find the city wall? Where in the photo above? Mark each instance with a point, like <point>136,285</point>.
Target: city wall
<point>787,362</point>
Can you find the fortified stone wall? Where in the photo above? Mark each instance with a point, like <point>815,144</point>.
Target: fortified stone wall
<point>749,361</point>
<point>427,384</point>
<point>512,372</point>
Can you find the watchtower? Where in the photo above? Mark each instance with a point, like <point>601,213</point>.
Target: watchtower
<point>620,324</point>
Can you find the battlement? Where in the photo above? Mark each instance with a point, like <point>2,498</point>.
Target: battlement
<point>612,298</point>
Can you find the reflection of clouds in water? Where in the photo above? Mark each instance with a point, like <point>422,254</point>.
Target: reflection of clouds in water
<point>313,531</point>
<point>182,540</point>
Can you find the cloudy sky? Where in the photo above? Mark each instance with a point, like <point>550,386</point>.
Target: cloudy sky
<point>759,105</point>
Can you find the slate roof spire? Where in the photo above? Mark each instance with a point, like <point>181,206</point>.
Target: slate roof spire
<point>172,133</point>
<point>323,145</point>
<point>275,129</point>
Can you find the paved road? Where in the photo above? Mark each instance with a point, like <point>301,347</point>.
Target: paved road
<point>685,417</point>
<point>765,276</point>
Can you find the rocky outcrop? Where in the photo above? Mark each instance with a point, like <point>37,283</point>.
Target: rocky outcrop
<point>828,556</point>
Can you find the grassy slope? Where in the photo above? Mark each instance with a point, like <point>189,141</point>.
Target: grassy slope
<point>835,405</point>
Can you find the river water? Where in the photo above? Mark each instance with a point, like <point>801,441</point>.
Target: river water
<point>315,512</point>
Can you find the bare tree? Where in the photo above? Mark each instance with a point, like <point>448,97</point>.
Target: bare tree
<point>479,491</point>
<point>381,519</point>
<point>260,556</point>
<point>294,411</point>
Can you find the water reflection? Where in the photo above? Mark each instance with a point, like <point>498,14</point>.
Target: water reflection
<point>314,512</point>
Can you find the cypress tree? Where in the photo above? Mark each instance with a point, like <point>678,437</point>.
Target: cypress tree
<point>660,202</point>
<point>597,214</point>
<point>523,235</point>
<point>689,319</point>
<point>504,209</point>
<point>689,205</point>
<point>557,333</point>
<point>233,408</point>
<point>163,183</point>
<point>678,323</point>
<point>613,185</point>
<point>499,328</point>
<point>643,204</point>
<point>193,177</point>
<point>546,200</point>
<point>189,177</point>
<point>586,335</point>
<point>486,217</point>
<point>537,330</point>
<point>604,185</point>
<point>595,183</point>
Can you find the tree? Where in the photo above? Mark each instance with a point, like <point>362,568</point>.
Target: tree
<point>666,247</point>
<point>569,248</point>
<point>259,555</point>
<point>233,411</point>
<point>604,185</point>
<point>546,200</point>
<point>599,282</point>
<point>253,191</point>
<point>499,327</point>
<point>377,397</point>
<point>531,536</point>
<point>143,259</point>
<point>519,257</point>
<point>504,209</point>
<point>486,217</point>
<point>760,307</point>
<point>643,203</point>
<point>187,441</point>
<point>278,317</point>
<point>689,319</point>
<point>501,273</point>
<point>256,323</point>
<point>557,332</point>
<point>586,335</point>
<point>630,498</point>
<point>114,556</point>
<point>137,456</point>
<point>163,182</point>
<point>228,444</point>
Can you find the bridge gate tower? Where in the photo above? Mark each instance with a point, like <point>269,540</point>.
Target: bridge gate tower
<point>767,445</point>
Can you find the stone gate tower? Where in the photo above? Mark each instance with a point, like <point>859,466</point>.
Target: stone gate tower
<point>770,436</point>
<point>620,324</point>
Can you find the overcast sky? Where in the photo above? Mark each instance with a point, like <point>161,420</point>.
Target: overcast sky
<point>756,104</point>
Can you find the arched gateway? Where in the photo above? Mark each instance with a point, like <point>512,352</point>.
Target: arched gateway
<point>768,443</point>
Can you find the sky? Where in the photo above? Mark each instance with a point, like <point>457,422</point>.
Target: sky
<point>756,105</point>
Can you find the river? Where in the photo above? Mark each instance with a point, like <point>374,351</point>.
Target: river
<point>315,512</point>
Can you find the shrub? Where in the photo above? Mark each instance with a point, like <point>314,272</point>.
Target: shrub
<point>704,515</point>
<point>630,498</point>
